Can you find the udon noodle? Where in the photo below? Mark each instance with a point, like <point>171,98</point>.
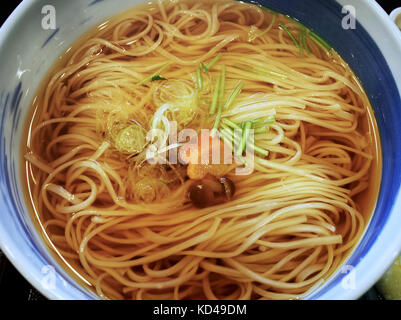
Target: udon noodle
<point>127,225</point>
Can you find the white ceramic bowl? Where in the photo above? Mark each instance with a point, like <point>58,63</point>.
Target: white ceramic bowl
<point>395,15</point>
<point>27,51</point>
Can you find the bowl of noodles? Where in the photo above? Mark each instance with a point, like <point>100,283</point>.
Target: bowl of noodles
<point>182,149</point>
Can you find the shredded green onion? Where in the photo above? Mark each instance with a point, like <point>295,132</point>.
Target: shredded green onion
<point>266,30</point>
<point>320,41</point>
<point>296,21</point>
<point>157,78</point>
<point>238,136</point>
<point>262,72</point>
<point>199,79</point>
<point>234,94</point>
<point>226,139</point>
<point>289,34</point>
<point>302,34</point>
<point>268,9</point>
<point>216,94</point>
<point>218,117</point>
<point>245,135</point>
<point>222,83</point>
<point>304,43</point>
<point>301,43</point>
<point>260,151</point>
<point>234,137</point>
<point>216,121</point>
<point>264,123</point>
<point>227,135</point>
<point>269,120</point>
<point>157,73</point>
<point>212,62</point>
<point>230,124</point>
<point>261,130</point>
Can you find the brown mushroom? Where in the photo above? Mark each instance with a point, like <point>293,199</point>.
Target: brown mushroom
<point>201,194</point>
<point>210,191</point>
<point>228,187</point>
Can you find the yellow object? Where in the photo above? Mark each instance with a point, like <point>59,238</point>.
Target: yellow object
<point>390,284</point>
<point>131,139</point>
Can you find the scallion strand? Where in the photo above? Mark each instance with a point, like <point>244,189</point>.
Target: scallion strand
<point>163,68</point>
<point>222,83</point>
<point>234,94</point>
<point>230,124</point>
<point>216,94</point>
<point>245,135</point>
<point>268,9</point>
<point>289,34</point>
<point>266,30</point>
<point>213,62</point>
<point>320,41</point>
<point>199,79</point>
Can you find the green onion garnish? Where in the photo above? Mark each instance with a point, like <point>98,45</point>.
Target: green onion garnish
<point>262,72</point>
<point>199,79</point>
<point>234,94</point>
<point>320,41</point>
<point>222,79</point>
<point>269,120</point>
<point>259,150</point>
<point>268,9</point>
<point>156,78</point>
<point>222,83</point>
<point>289,34</point>
<point>266,30</point>
<point>216,94</point>
<point>235,135</point>
<point>229,136</point>
<point>212,62</point>
<point>302,35</point>
<point>216,121</point>
<point>204,68</point>
<point>264,123</point>
<point>245,135</point>
<point>295,20</point>
<point>304,43</point>
<point>261,130</point>
<point>230,124</point>
<point>231,140</point>
<point>226,140</point>
<point>155,74</point>
<point>301,43</point>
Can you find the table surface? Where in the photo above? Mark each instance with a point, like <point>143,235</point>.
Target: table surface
<point>14,287</point>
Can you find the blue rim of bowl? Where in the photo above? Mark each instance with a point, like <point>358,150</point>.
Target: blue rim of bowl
<point>378,93</point>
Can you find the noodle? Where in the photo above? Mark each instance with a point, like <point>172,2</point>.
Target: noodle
<point>127,226</point>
